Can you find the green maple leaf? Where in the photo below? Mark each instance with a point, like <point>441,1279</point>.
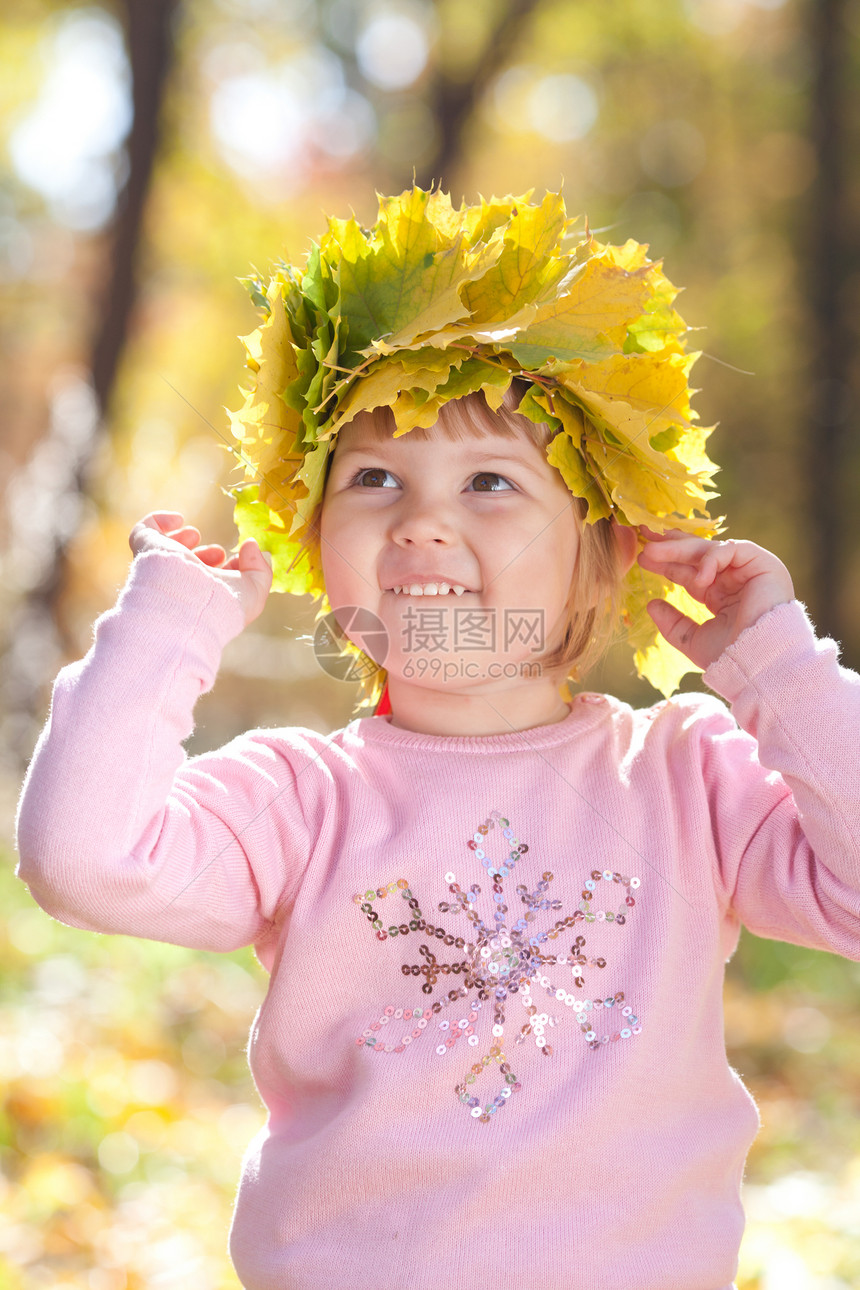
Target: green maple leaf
<point>406,278</point>
<point>388,378</point>
<point>416,408</point>
<point>660,325</point>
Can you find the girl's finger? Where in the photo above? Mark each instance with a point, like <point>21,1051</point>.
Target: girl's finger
<point>678,546</point>
<point>155,522</point>
<point>678,629</point>
<point>716,560</point>
<point>212,554</point>
<point>188,535</point>
<point>683,573</point>
<point>164,520</point>
<point>704,559</point>
<point>708,568</point>
<point>250,557</point>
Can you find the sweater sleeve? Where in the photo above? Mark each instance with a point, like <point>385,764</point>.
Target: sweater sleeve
<point>786,802</point>
<point>118,830</point>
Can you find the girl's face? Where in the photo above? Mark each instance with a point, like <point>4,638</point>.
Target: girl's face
<point>464,548</point>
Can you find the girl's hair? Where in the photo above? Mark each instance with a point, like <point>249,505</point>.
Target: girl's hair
<point>592,605</point>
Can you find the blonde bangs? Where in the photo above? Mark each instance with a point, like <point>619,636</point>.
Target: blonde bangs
<point>464,418</point>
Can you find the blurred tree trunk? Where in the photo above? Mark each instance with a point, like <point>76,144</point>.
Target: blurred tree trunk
<point>832,249</point>
<point>149,37</point>
<point>452,101</point>
<point>37,630</point>
<point>148,27</point>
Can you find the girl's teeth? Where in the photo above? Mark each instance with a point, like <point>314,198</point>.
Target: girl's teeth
<point>427,589</point>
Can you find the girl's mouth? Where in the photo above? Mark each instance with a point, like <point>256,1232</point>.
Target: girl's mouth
<point>428,589</point>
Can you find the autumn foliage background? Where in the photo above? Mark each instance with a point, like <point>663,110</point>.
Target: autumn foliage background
<point>151,151</point>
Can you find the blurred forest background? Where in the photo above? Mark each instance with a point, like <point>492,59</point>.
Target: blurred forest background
<point>151,151</point>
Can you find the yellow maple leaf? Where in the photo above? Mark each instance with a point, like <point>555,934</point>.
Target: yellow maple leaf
<point>655,659</point>
<point>564,452</point>
<point>588,319</point>
<point>528,268</point>
<point>652,386</point>
<point>265,426</point>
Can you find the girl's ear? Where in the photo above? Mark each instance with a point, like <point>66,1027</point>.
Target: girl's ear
<point>626,544</point>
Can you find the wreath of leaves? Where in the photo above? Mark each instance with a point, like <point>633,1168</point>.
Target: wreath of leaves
<point>433,303</point>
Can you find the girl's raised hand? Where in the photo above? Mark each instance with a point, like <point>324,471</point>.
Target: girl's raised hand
<point>247,573</point>
<point>736,581</point>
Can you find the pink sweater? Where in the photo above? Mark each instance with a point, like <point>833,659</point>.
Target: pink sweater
<point>492,1045</point>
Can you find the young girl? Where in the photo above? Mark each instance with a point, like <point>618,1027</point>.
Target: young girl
<point>495,917</point>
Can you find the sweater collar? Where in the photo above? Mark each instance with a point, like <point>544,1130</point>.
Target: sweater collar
<point>586,711</point>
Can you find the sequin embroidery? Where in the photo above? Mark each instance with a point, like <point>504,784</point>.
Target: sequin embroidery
<point>499,964</point>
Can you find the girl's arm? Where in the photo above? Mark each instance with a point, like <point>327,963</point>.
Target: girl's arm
<point>790,872</point>
<point>117,830</point>
<point>788,844</point>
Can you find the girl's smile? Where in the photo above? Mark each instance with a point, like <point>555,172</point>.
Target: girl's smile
<point>451,542</point>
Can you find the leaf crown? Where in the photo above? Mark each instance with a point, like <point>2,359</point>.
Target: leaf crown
<point>434,303</point>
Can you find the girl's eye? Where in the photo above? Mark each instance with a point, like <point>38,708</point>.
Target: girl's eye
<point>488,482</point>
<point>375,477</point>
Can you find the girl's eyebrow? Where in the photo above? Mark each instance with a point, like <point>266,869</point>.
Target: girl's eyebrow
<point>515,459</point>
<point>371,446</point>
<point>374,446</point>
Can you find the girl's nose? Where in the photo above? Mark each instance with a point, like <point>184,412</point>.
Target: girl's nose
<point>422,524</point>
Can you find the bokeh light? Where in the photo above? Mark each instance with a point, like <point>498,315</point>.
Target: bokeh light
<point>68,146</point>
<point>562,107</point>
<point>393,46</point>
<point>270,125</point>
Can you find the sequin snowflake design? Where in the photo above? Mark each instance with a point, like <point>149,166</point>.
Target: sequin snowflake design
<point>500,965</point>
